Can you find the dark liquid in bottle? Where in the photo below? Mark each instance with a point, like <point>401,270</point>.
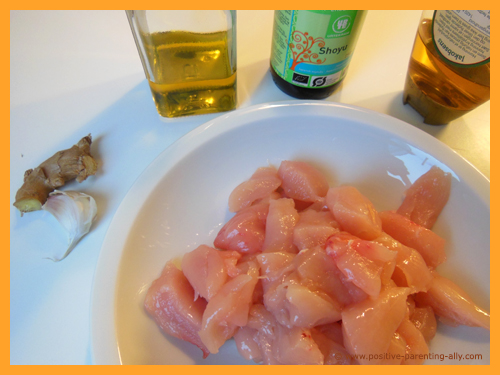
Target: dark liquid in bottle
<point>303,92</point>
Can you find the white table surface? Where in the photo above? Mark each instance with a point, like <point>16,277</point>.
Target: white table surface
<point>78,72</point>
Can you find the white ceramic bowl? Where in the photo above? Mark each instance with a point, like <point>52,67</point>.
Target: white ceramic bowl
<point>180,202</point>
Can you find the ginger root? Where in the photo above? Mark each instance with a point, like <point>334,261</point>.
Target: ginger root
<point>63,166</point>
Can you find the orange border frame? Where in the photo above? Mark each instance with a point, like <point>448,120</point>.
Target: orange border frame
<point>243,370</point>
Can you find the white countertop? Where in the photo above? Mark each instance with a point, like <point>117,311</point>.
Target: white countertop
<point>78,72</point>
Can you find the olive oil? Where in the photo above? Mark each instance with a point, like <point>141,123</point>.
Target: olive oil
<point>191,73</point>
<point>439,90</point>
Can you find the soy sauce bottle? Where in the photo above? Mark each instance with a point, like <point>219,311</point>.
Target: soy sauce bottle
<point>311,50</point>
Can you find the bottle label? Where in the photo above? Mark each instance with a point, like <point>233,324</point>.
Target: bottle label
<point>312,48</point>
<point>462,37</point>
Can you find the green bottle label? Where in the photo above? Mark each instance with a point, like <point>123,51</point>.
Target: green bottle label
<point>313,48</point>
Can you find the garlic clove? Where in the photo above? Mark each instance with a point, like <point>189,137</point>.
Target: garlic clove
<point>75,211</point>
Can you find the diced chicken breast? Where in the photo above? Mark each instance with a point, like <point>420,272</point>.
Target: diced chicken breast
<point>319,205</point>
<point>275,297</point>
<point>295,304</point>
<point>295,346</point>
<point>310,275</point>
<point>314,266</point>
<point>424,320</point>
<point>379,254</point>
<point>247,345</point>
<point>370,325</point>
<point>313,217</point>
<point>425,241</point>
<point>396,353</point>
<point>361,271</point>
<point>333,352</point>
<point>248,264</point>
<point>314,228</point>
<point>410,303</point>
<point>280,224</point>
<point>301,181</point>
<point>227,311</point>
<point>411,270</point>
<point>426,198</point>
<point>263,322</point>
<point>262,183</point>
<point>354,212</point>
<point>230,259</point>
<point>205,269</point>
<point>332,331</point>
<point>274,265</point>
<point>416,347</point>
<point>451,302</point>
<point>308,308</point>
<point>170,301</point>
<point>278,344</point>
<point>245,231</point>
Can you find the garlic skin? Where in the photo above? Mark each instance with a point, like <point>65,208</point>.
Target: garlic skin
<point>75,211</point>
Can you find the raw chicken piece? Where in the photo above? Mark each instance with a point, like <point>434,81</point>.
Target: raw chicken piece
<point>396,353</point>
<point>292,302</point>
<point>247,345</point>
<point>354,212</point>
<point>308,308</point>
<point>333,353</point>
<point>227,311</point>
<point>411,269</point>
<point>329,340</point>
<point>450,302</point>
<point>301,181</point>
<point>264,325</point>
<point>318,217</point>
<point>411,305</point>
<point>280,223</point>
<point>319,205</point>
<point>370,325</point>
<point>316,267</point>
<point>278,345</point>
<point>230,259</point>
<point>245,231</point>
<point>248,264</point>
<point>314,228</point>
<point>274,266</point>
<point>379,254</point>
<point>333,331</point>
<point>275,296</point>
<point>426,198</point>
<point>424,320</point>
<point>295,346</point>
<point>170,301</point>
<point>262,183</point>
<point>425,241</point>
<point>361,271</point>
<point>205,270</point>
<point>416,347</point>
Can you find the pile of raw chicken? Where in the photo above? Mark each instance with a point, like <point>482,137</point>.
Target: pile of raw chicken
<point>305,273</point>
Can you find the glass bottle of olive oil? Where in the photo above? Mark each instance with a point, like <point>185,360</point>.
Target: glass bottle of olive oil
<point>191,70</point>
